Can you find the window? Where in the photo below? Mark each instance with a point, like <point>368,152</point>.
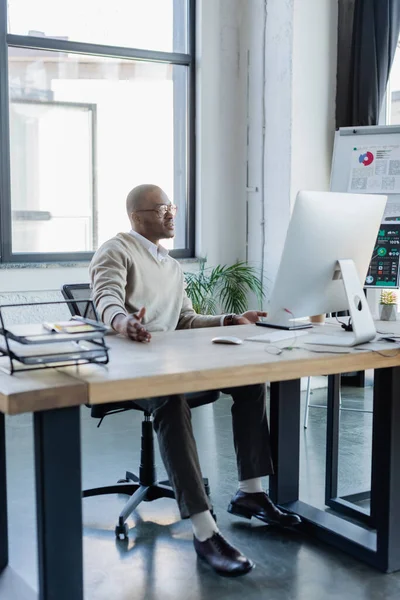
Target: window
<point>95,98</point>
<point>392,105</point>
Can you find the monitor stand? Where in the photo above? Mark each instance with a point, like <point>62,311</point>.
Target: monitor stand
<point>361,318</point>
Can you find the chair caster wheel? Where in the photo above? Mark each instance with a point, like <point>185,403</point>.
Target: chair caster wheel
<point>123,481</point>
<point>121,532</point>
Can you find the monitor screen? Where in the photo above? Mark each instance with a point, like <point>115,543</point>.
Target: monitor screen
<point>383,269</point>
<point>325,227</point>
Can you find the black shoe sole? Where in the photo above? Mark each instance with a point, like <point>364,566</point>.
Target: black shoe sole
<point>227,573</point>
<point>246,513</point>
<point>240,511</point>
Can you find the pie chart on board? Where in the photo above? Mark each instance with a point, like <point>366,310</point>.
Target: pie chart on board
<point>366,159</point>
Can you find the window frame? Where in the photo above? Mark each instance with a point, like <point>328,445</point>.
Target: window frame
<point>386,112</point>
<point>173,58</point>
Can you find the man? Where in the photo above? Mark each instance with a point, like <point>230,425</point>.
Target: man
<point>138,289</point>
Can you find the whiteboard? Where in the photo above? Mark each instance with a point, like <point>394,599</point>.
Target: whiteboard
<point>347,141</point>
<point>349,138</point>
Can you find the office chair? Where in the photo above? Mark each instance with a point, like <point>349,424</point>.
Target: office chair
<point>142,487</point>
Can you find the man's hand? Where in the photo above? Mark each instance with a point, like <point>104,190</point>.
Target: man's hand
<point>249,317</point>
<point>131,326</point>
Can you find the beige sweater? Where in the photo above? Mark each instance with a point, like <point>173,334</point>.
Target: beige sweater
<point>125,276</point>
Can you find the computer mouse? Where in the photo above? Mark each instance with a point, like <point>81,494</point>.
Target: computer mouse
<point>227,339</point>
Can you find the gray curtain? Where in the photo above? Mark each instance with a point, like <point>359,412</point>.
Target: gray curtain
<point>367,39</point>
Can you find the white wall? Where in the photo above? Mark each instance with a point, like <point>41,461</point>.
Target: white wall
<point>297,85</point>
<point>299,106</point>
<point>221,132</point>
<point>40,279</point>
<point>278,131</point>
<point>314,90</point>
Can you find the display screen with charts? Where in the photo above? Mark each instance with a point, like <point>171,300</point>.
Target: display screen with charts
<point>367,160</point>
<point>384,266</point>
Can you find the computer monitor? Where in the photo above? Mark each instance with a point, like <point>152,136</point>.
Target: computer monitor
<point>327,251</point>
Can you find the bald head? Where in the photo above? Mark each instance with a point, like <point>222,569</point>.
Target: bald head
<point>138,197</point>
<point>143,205</point>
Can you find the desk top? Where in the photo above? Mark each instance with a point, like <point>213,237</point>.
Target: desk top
<point>187,361</point>
<point>43,389</point>
<point>181,361</point>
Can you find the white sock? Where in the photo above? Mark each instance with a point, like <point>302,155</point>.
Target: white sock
<point>251,486</point>
<point>203,525</point>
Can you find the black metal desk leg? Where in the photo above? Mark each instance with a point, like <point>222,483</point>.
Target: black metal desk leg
<point>3,497</point>
<point>332,438</point>
<point>59,507</point>
<point>385,488</point>
<point>285,440</point>
<point>342,504</point>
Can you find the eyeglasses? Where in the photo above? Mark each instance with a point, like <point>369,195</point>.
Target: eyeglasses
<point>162,210</point>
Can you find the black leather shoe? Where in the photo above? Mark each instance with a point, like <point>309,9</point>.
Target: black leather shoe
<point>260,506</point>
<point>222,557</point>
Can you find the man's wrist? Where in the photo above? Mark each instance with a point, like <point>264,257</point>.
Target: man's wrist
<point>117,320</point>
<point>230,320</point>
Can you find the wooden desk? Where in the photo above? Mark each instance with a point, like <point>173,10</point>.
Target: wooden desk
<point>185,361</point>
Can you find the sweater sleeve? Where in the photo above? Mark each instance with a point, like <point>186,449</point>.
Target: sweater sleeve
<point>108,274</point>
<point>189,319</point>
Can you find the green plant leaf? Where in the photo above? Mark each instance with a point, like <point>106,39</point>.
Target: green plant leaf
<point>225,285</point>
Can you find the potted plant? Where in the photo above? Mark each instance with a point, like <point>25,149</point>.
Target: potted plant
<point>388,305</point>
<point>223,288</point>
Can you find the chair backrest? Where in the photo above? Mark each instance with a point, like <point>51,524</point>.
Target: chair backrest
<point>79,291</point>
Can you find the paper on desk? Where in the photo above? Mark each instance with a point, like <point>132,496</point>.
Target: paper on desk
<point>325,348</point>
<point>375,346</point>
<point>378,346</point>
<point>45,349</point>
<point>277,336</point>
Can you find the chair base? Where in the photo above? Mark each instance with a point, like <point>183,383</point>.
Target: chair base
<point>138,493</point>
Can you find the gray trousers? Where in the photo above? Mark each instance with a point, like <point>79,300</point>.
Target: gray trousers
<point>173,425</point>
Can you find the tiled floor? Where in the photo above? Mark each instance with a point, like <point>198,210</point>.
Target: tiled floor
<point>159,562</point>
